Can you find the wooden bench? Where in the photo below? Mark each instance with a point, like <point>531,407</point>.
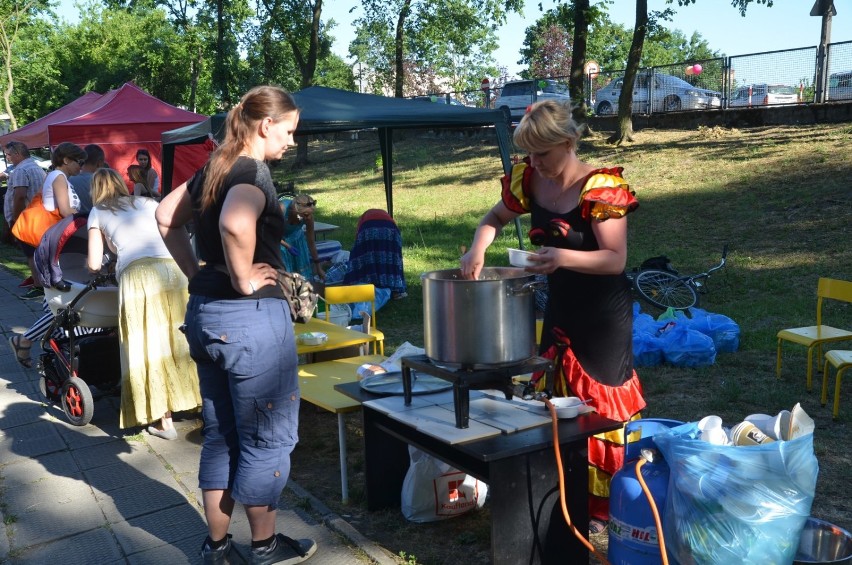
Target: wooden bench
<point>317,381</point>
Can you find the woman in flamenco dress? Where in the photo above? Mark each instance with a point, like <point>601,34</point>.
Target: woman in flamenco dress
<point>579,220</point>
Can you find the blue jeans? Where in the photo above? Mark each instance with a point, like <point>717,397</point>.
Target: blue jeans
<point>247,369</point>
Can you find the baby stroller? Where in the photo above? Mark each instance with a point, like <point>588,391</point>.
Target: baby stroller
<point>75,362</point>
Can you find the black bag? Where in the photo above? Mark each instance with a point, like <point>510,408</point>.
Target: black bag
<point>660,263</point>
<point>300,295</point>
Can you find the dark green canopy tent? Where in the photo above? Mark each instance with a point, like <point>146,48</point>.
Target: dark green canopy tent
<point>325,110</point>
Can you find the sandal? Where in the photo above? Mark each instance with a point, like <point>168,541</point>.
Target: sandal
<point>597,526</point>
<point>24,360</point>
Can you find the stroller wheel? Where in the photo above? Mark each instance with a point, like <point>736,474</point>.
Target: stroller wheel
<point>77,402</point>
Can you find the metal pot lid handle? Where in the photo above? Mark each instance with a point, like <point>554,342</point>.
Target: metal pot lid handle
<point>529,287</point>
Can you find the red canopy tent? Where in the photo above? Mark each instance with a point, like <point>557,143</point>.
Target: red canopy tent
<point>34,134</point>
<point>131,120</point>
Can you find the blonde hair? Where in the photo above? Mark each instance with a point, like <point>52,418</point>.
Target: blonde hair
<point>303,203</point>
<point>109,190</point>
<point>547,123</point>
<point>258,103</point>
<point>137,174</point>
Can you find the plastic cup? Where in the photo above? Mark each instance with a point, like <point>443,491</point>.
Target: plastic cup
<point>711,430</point>
<point>746,433</point>
<point>800,423</point>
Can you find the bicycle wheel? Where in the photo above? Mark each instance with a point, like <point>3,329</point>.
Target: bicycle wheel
<point>665,290</point>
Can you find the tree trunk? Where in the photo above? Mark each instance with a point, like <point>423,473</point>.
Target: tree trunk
<point>399,79</point>
<point>625,99</point>
<point>577,82</point>
<point>220,68</point>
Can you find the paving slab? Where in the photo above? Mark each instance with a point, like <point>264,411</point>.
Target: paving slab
<point>79,495</point>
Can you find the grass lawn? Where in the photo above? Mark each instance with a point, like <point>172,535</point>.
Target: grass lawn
<point>780,197</point>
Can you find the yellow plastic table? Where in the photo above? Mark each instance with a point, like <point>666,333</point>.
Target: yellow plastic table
<point>338,336</point>
<point>317,381</point>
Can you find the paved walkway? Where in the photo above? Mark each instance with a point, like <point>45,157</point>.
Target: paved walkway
<point>94,494</point>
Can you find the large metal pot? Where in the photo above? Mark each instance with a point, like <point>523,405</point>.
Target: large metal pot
<point>479,323</point>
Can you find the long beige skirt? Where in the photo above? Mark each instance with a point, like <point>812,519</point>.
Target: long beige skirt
<point>157,373</point>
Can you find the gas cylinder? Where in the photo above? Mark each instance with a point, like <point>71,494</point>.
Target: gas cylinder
<point>632,529</point>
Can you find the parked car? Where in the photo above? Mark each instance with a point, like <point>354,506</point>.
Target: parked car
<point>763,95</point>
<point>669,94</point>
<point>439,99</point>
<point>516,95</point>
<point>840,86</point>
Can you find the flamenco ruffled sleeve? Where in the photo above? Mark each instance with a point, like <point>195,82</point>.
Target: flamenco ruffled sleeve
<point>517,188</point>
<point>607,195</point>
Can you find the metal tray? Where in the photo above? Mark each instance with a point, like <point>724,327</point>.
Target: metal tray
<point>391,383</point>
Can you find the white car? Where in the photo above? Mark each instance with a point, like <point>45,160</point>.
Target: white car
<point>840,86</point>
<point>763,95</point>
<point>665,93</point>
<point>517,95</point>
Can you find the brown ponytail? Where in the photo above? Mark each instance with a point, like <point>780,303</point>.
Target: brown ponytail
<point>258,103</point>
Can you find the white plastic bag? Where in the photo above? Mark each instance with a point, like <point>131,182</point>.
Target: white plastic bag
<point>434,491</point>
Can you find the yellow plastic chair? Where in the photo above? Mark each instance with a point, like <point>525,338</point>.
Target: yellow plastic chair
<point>840,360</point>
<point>813,337</point>
<point>356,293</point>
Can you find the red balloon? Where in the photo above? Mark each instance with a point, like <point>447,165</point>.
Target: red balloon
<point>697,69</point>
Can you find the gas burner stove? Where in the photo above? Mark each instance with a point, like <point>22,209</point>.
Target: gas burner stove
<point>466,378</point>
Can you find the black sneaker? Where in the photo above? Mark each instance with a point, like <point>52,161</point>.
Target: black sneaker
<point>283,550</point>
<point>225,555</point>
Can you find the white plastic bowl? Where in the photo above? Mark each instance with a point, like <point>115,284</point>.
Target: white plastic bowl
<point>521,258</point>
<point>313,338</point>
<point>566,406</point>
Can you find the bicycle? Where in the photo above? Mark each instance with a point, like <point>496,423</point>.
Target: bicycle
<point>668,289</point>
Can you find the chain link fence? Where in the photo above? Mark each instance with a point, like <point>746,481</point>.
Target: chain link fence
<point>789,76</point>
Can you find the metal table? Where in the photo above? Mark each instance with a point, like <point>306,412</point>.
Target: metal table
<point>520,471</point>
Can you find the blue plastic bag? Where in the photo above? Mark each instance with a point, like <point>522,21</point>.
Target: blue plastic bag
<point>736,504</point>
<point>724,332</point>
<point>647,348</point>
<point>685,347</point>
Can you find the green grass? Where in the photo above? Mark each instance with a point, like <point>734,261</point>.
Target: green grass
<point>780,197</point>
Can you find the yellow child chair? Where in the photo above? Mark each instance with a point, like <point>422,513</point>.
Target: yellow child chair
<point>840,360</point>
<point>357,293</point>
<point>813,337</point>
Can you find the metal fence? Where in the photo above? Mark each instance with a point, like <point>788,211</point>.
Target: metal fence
<point>789,76</point>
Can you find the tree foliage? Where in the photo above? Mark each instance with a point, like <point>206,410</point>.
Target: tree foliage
<point>548,53</point>
<point>449,40</point>
<point>19,24</point>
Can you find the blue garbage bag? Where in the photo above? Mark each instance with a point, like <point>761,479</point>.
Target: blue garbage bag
<point>735,504</point>
<point>724,332</point>
<point>685,347</point>
<point>647,348</point>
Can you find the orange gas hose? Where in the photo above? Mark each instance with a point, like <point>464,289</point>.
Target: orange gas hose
<point>564,504</point>
<point>660,540</point>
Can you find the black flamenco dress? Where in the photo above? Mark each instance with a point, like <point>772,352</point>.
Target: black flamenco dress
<point>589,318</point>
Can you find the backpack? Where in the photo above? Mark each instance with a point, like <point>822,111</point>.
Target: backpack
<point>660,263</point>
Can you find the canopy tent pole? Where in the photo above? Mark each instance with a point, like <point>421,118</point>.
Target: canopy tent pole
<point>386,146</point>
<point>167,164</point>
<point>504,142</point>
